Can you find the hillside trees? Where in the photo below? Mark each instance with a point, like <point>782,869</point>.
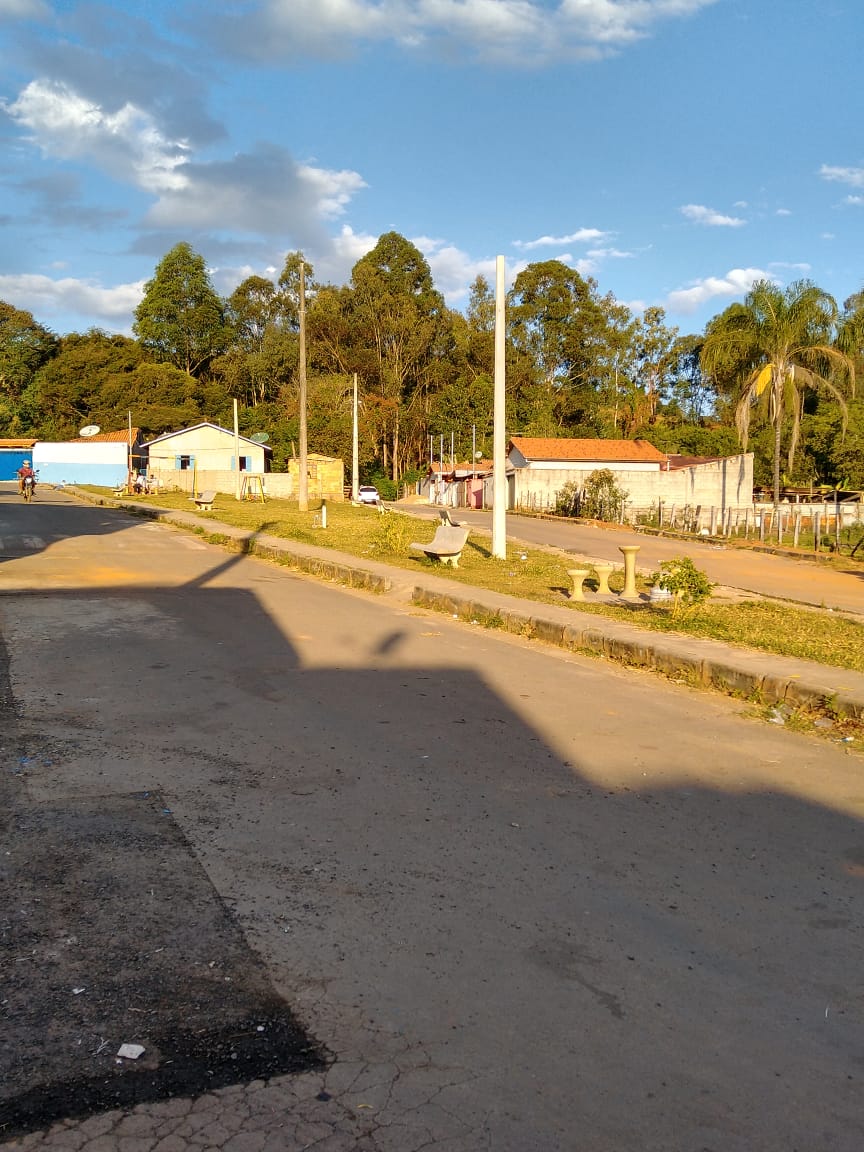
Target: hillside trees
<point>25,345</point>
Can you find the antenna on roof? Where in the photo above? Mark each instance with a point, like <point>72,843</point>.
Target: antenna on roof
<point>89,430</point>
<point>259,438</point>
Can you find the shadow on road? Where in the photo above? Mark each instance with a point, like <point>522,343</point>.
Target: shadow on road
<point>653,967</point>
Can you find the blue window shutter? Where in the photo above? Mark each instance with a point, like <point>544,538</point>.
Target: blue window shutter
<point>177,463</point>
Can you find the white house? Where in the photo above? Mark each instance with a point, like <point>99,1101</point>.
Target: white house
<point>204,448</point>
<point>542,466</point>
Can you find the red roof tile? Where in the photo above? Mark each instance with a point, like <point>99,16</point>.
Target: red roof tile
<point>591,451</point>
<point>17,442</point>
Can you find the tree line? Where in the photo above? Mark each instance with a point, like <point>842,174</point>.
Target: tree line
<point>774,373</point>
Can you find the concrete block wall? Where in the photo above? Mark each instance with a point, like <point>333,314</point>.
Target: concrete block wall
<point>722,484</point>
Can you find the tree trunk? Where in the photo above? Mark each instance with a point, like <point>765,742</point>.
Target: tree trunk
<point>396,451</point>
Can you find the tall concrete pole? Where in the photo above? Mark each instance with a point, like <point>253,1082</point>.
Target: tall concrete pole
<point>303,484</point>
<point>355,448</point>
<point>499,441</point>
<point>236,453</point>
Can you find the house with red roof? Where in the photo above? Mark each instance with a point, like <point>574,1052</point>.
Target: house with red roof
<point>539,467</point>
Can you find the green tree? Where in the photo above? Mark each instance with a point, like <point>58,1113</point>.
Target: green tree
<point>69,390</point>
<point>785,342</point>
<point>404,333</point>
<point>573,338</point>
<point>181,319</point>
<point>25,346</point>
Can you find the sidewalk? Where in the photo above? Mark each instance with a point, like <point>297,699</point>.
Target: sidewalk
<point>713,664</point>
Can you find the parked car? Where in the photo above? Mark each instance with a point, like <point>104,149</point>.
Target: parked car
<point>368,494</point>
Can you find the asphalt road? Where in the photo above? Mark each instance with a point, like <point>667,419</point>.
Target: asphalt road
<point>759,572</point>
<point>518,900</point>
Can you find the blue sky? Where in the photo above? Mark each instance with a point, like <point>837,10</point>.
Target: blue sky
<point>675,150</point>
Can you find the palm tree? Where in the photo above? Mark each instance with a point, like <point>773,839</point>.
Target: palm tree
<point>781,342</point>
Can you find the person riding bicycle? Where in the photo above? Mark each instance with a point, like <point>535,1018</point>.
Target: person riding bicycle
<point>25,472</point>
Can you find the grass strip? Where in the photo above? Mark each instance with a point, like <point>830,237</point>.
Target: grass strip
<point>539,575</point>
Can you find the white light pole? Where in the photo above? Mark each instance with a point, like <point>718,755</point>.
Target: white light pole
<point>303,478</point>
<point>355,448</point>
<point>236,453</point>
<point>499,446</point>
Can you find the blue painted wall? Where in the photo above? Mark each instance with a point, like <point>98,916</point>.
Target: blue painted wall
<point>11,460</point>
<point>80,472</point>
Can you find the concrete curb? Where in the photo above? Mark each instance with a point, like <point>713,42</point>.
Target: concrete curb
<point>704,663</point>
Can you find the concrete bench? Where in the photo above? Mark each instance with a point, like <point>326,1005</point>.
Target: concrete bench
<point>446,545</point>
<point>205,501</point>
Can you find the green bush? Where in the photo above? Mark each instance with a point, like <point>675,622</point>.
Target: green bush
<point>684,580</point>
<point>599,499</point>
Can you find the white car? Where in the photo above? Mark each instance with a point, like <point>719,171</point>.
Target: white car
<point>368,494</point>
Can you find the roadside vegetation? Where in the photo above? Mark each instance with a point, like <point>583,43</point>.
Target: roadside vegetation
<point>542,575</point>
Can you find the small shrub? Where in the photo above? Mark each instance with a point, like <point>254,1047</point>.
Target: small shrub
<point>599,499</point>
<point>390,537</point>
<point>568,499</point>
<point>684,580</point>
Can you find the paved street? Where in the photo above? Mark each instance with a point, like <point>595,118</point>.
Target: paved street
<point>516,899</point>
<point>758,572</point>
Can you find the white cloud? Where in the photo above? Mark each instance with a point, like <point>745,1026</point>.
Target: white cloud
<point>800,267</point>
<point>23,10</point>
<point>125,143</point>
<point>265,191</point>
<point>699,214</point>
<point>46,297</point>
<point>736,282</point>
<point>854,200</point>
<point>517,31</point>
<point>454,271</point>
<point>852,176</point>
<point>580,236</point>
<point>782,212</point>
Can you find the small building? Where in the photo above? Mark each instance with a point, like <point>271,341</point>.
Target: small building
<point>325,478</point>
<point>204,448</point>
<point>104,459</point>
<point>541,467</point>
<point>13,452</point>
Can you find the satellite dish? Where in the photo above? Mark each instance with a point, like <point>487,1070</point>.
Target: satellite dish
<point>90,430</point>
<point>259,438</point>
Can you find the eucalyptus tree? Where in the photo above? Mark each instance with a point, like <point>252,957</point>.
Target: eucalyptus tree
<point>263,353</point>
<point>181,319</point>
<point>404,327</point>
<point>781,342</point>
<point>572,336</point>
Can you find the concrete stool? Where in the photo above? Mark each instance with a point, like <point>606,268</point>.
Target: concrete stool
<point>604,571</point>
<point>578,576</point>
<point>629,592</point>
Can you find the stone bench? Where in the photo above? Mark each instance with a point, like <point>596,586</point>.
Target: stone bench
<point>446,545</point>
<point>205,501</point>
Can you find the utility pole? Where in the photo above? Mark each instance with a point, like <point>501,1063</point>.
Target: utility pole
<point>303,485</point>
<point>499,463</point>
